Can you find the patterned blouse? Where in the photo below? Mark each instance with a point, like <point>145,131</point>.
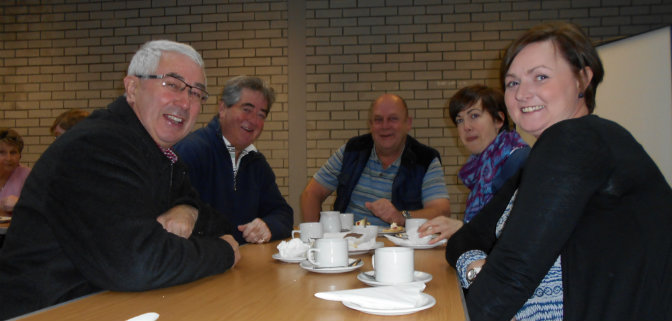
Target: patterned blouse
<point>546,302</point>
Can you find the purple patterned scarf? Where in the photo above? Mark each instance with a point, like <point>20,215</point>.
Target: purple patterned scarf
<point>480,170</point>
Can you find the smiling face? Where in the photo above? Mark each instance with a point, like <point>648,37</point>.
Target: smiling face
<point>542,89</point>
<point>9,158</point>
<point>243,122</point>
<point>389,124</point>
<point>168,116</point>
<point>477,128</point>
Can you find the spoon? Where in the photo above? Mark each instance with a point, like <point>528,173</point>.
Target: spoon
<point>355,262</point>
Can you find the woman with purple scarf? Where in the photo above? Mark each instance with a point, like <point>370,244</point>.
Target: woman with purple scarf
<point>497,152</point>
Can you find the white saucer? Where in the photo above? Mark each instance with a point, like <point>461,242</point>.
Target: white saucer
<point>358,251</point>
<point>306,265</point>
<point>405,243</point>
<point>288,259</point>
<point>428,301</point>
<point>369,279</point>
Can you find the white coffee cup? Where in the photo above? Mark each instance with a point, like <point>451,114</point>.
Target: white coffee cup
<point>331,221</point>
<point>347,221</point>
<point>309,230</point>
<point>412,224</point>
<point>393,265</point>
<point>329,253</point>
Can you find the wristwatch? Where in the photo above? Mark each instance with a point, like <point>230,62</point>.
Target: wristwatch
<point>406,214</point>
<point>471,274</point>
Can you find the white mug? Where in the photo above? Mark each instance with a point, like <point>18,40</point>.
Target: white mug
<point>412,224</point>
<point>347,221</point>
<point>393,265</point>
<point>331,222</point>
<point>309,230</point>
<point>329,253</point>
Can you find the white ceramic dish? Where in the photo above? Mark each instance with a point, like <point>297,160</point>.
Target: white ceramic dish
<point>369,279</point>
<point>405,243</point>
<point>329,270</point>
<point>428,301</point>
<point>288,259</point>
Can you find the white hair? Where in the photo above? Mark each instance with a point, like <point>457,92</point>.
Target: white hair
<point>146,59</point>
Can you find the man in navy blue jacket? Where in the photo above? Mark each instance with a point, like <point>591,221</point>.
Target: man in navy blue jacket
<point>228,171</point>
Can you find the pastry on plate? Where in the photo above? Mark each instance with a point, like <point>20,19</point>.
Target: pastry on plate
<point>394,228</point>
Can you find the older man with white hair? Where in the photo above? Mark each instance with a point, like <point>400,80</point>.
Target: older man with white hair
<point>108,206</point>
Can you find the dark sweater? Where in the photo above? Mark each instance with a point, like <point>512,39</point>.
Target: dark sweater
<point>591,194</point>
<point>252,194</point>
<point>86,220</point>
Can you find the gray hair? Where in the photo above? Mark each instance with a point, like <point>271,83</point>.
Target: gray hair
<point>233,87</point>
<point>146,59</point>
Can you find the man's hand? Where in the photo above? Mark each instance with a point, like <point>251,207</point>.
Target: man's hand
<point>234,245</point>
<point>179,220</point>
<point>256,231</point>
<point>443,225</point>
<point>386,211</point>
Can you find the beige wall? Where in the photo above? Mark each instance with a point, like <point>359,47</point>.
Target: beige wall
<point>73,54</point>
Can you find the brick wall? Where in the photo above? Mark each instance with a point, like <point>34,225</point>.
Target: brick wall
<point>56,55</point>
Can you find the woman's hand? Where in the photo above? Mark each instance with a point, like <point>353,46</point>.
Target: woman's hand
<point>442,225</point>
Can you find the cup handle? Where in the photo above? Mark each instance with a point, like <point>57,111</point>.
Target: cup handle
<point>373,262</point>
<point>310,257</point>
<point>294,232</point>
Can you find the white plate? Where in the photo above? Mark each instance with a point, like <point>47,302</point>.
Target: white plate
<point>428,301</point>
<point>288,259</point>
<point>404,243</point>
<point>361,250</point>
<point>306,265</point>
<point>370,279</point>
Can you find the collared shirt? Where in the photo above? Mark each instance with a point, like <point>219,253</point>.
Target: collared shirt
<point>376,183</point>
<point>232,153</point>
<point>169,153</point>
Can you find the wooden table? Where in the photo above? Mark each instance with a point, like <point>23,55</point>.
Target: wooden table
<point>261,288</point>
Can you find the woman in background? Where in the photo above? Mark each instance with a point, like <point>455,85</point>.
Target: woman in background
<point>497,151</point>
<point>12,173</point>
<point>66,120</point>
<point>582,232</point>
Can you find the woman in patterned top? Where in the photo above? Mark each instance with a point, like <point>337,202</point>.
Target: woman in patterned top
<point>582,231</point>
<point>497,151</point>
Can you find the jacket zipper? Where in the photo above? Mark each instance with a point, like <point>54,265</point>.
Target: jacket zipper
<point>170,183</point>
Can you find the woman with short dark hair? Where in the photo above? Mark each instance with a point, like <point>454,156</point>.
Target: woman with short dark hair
<point>497,151</point>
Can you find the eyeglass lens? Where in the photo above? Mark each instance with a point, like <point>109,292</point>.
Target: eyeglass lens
<point>195,93</point>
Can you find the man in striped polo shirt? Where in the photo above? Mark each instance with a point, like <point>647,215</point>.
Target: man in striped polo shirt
<point>385,176</point>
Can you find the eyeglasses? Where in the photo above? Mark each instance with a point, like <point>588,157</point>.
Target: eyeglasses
<point>177,85</point>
